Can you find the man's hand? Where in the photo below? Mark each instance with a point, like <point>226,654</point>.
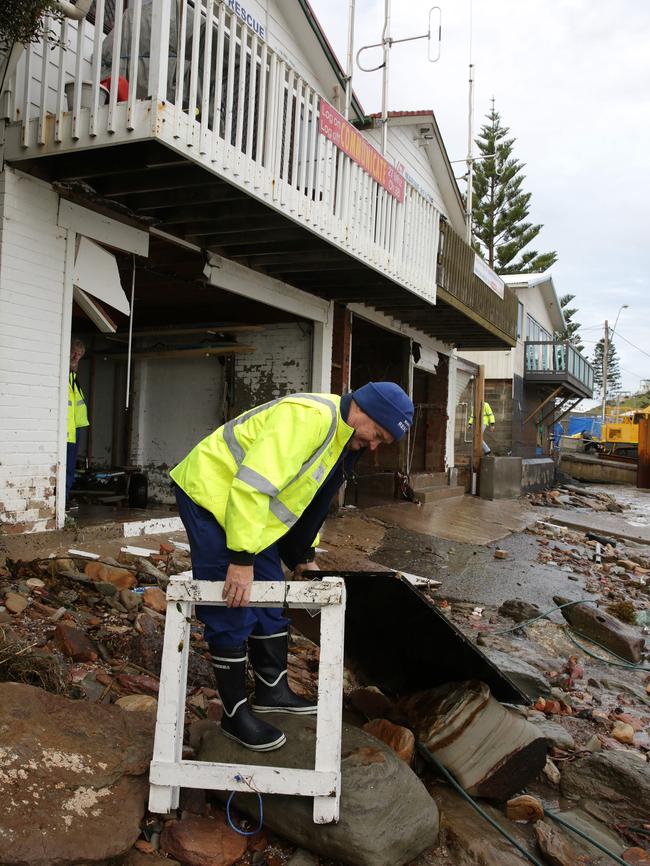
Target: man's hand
<point>304,567</point>
<point>237,588</point>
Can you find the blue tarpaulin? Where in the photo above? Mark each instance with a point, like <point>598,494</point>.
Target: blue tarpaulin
<point>582,424</point>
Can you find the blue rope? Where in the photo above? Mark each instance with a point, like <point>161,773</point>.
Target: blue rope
<point>231,823</point>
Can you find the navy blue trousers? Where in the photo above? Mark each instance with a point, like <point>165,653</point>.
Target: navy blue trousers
<point>70,466</point>
<point>227,627</point>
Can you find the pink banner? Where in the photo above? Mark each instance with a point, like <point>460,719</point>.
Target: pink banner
<point>348,139</point>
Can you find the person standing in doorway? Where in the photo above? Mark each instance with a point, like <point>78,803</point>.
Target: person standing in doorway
<point>77,414</point>
<point>488,423</point>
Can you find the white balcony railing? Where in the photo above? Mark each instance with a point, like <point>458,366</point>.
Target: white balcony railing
<point>203,81</point>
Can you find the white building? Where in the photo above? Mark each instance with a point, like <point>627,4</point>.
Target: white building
<point>252,241</point>
<point>541,379</point>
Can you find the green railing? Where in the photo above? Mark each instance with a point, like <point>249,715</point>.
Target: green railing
<point>557,361</point>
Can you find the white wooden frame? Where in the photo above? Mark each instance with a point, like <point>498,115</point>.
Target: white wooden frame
<point>169,772</point>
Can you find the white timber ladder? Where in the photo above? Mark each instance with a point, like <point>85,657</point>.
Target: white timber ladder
<point>169,772</point>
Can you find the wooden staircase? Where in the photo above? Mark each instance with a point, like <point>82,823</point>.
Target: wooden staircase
<point>434,487</point>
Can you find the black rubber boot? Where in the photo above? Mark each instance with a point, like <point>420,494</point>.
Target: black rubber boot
<point>269,662</point>
<point>238,722</point>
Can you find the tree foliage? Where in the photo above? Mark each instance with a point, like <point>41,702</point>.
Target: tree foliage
<point>500,208</point>
<point>23,21</point>
<point>571,331</point>
<point>613,368</point>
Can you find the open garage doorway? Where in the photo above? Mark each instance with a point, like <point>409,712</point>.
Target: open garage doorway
<point>429,431</point>
<point>378,355</point>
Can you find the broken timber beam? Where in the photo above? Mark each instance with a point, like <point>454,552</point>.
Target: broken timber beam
<point>594,624</point>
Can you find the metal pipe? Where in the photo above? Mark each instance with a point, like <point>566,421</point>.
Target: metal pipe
<point>603,408</point>
<point>384,78</point>
<point>350,61</point>
<point>128,361</point>
<point>470,158</point>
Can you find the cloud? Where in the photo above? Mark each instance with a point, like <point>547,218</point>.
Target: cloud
<point>572,81</point>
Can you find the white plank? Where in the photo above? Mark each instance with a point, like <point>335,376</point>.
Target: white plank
<point>84,554</point>
<point>263,593</point>
<point>137,551</point>
<point>152,527</point>
<point>224,777</point>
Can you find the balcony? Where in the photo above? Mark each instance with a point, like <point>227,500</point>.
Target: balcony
<point>202,130</point>
<point>558,363</point>
<point>468,309</point>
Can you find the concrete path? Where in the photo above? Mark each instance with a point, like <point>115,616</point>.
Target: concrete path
<point>468,519</point>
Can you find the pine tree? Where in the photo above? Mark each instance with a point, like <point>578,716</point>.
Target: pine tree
<point>571,329</point>
<point>613,369</point>
<point>500,209</point>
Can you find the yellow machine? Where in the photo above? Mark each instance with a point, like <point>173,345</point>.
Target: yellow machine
<point>620,433</point>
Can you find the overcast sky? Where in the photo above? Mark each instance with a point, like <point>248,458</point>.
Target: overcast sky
<point>571,80</point>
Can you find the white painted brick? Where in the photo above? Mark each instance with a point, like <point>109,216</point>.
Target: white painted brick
<point>280,364</point>
<point>32,258</point>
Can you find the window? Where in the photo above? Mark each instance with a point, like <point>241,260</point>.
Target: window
<point>520,320</point>
<point>534,331</point>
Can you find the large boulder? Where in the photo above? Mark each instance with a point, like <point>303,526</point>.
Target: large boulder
<point>524,675</point>
<point>387,817</point>
<point>618,781</point>
<point>73,778</point>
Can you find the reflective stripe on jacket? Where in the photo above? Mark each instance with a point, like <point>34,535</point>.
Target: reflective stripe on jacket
<point>77,412</point>
<point>258,473</point>
<point>488,415</point>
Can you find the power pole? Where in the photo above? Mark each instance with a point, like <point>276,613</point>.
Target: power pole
<point>605,360</point>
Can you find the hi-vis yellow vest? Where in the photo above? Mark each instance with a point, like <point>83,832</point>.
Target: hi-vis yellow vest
<point>77,412</point>
<point>257,473</point>
<point>488,415</point>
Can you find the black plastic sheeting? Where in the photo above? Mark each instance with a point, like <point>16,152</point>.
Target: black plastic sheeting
<point>397,639</point>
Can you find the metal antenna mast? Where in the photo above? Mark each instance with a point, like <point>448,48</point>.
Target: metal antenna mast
<point>386,44</point>
<point>470,136</point>
<point>349,67</point>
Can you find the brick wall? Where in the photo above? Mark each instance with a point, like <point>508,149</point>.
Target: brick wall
<point>498,393</point>
<point>32,256</point>
<point>280,364</point>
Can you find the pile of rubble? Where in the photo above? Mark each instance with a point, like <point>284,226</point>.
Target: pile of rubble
<point>80,649</point>
<point>616,571</point>
<point>569,496</point>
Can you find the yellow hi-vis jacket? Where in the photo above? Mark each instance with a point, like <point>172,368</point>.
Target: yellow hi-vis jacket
<point>257,473</point>
<point>488,415</point>
<point>77,412</point>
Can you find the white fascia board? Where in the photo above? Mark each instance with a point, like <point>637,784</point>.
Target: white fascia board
<point>429,345</point>
<point>103,229</point>
<point>243,281</point>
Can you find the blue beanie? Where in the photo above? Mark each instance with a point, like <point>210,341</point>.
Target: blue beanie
<point>387,404</point>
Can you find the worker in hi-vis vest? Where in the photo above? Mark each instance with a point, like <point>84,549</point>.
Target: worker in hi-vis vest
<point>488,421</point>
<point>77,414</point>
<point>254,494</point>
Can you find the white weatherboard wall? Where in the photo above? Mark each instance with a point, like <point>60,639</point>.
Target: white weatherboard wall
<point>32,258</point>
<point>505,364</point>
<point>403,149</point>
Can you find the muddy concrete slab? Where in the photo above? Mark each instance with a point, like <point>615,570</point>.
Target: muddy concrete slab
<point>471,572</point>
<point>466,519</point>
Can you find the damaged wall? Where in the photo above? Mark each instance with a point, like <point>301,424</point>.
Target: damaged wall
<point>280,364</point>
<point>179,401</point>
<point>176,403</point>
<point>32,258</point>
